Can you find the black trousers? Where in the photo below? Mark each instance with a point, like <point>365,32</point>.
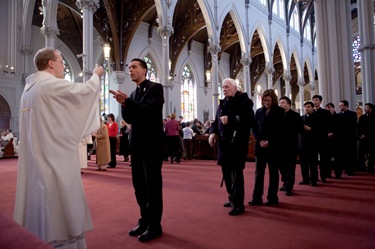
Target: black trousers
<point>288,171</point>
<point>324,160</point>
<point>234,184</point>
<point>113,144</point>
<point>148,184</point>
<point>273,170</point>
<point>309,165</point>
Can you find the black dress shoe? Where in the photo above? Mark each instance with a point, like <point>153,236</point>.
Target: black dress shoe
<point>272,203</point>
<point>338,177</point>
<point>138,230</point>
<point>288,193</point>
<point>236,211</point>
<point>282,188</point>
<point>314,184</point>
<point>256,203</point>
<point>324,180</point>
<point>228,204</point>
<point>304,183</point>
<point>150,234</point>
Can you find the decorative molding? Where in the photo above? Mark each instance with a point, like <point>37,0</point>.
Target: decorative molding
<point>25,49</point>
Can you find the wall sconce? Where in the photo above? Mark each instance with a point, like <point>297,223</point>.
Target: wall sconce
<point>106,51</point>
<point>208,76</point>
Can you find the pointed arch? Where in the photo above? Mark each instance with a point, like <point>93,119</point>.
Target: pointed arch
<point>279,42</point>
<point>263,39</point>
<point>233,12</point>
<point>297,60</point>
<point>309,67</point>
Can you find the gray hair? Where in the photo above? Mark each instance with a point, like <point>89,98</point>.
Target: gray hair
<point>231,81</point>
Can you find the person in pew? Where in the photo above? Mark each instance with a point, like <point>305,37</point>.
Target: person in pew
<point>50,199</point>
<point>231,129</point>
<point>143,110</point>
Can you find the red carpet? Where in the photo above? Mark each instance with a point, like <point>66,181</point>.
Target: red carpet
<point>338,214</point>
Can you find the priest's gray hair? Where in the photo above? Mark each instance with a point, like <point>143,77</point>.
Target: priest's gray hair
<point>232,82</point>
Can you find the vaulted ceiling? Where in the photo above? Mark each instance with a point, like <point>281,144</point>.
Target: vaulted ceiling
<point>116,21</point>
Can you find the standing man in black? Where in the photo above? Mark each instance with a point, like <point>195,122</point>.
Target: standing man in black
<point>346,137</point>
<point>309,147</point>
<point>143,110</point>
<point>366,134</point>
<point>294,126</point>
<point>231,128</point>
<point>323,131</point>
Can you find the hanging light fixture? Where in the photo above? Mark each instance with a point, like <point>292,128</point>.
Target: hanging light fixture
<point>106,51</point>
<point>208,76</point>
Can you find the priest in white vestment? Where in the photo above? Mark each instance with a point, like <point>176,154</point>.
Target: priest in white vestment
<point>55,115</point>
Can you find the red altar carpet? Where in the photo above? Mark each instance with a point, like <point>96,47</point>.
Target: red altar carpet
<point>337,214</point>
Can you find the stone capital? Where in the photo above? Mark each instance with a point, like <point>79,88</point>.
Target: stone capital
<point>287,76</point>
<point>165,31</point>
<point>49,32</point>
<point>214,49</point>
<point>301,81</point>
<point>269,69</point>
<point>245,61</point>
<point>92,5</point>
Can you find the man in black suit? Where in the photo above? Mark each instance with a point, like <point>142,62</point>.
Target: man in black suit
<point>231,128</point>
<point>366,136</point>
<point>323,131</point>
<point>346,137</point>
<point>143,110</point>
<point>308,147</point>
<point>294,126</point>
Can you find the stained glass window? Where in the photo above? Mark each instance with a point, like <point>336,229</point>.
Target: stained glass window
<point>356,53</point>
<point>67,72</point>
<point>151,72</point>
<point>188,95</point>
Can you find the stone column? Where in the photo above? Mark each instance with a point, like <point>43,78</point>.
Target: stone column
<point>245,61</point>
<point>287,77</point>
<point>367,49</point>
<point>214,51</point>
<point>335,60</point>
<point>49,26</point>
<point>301,84</point>
<point>165,32</point>
<point>269,71</point>
<point>88,8</point>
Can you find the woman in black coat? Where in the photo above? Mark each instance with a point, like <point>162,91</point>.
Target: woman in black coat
<point>269,132</point>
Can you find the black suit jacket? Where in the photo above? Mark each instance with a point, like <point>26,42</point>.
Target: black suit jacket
<point>145,114</point>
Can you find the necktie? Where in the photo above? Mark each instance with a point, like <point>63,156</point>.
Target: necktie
<point>138,94</point>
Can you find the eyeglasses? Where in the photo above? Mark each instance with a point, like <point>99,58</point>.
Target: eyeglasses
<point>62,62</point>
